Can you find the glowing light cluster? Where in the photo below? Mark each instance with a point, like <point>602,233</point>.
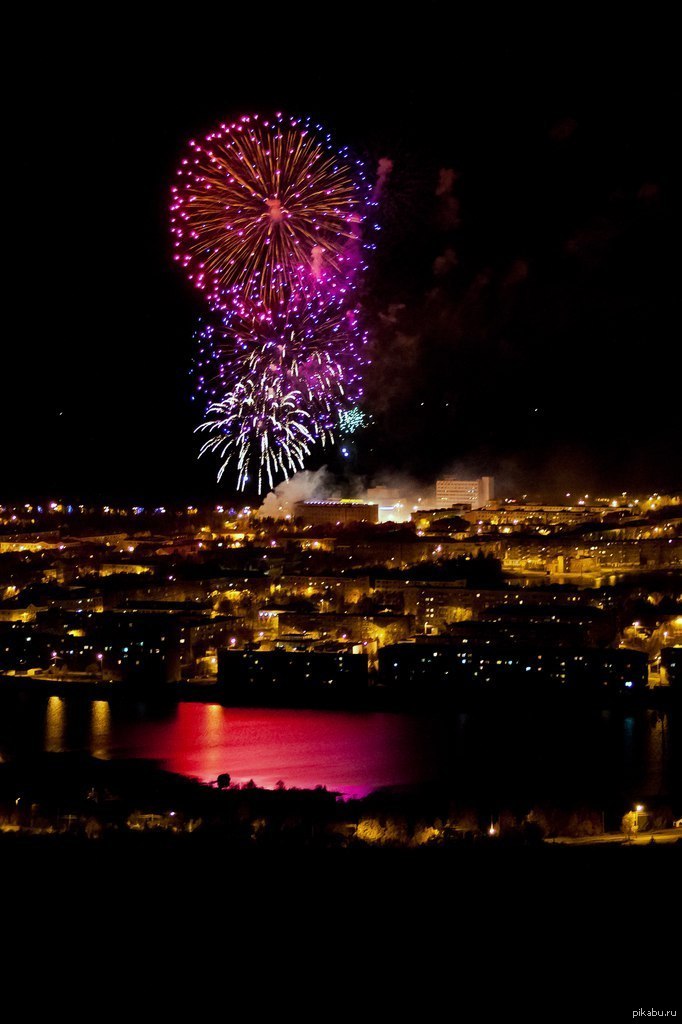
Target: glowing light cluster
<point>351,420</point>
<point>266,219</point>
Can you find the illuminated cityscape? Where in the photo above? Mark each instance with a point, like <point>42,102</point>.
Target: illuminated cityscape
<point>341,506</point>
<point>508,605</point>
<point>151,597</point>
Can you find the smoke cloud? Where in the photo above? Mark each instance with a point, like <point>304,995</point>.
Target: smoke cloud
<point>446,180</point>
<point>385,489</point>
<point>398,494</point>
<point>449,204</point>
<point>316,261</point>
<point>303,486</point>
<point>442,265</point>
<point>384,169</point>
<point>275,210</point>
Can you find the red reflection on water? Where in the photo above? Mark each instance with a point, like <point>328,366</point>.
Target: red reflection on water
<point>352,753</point>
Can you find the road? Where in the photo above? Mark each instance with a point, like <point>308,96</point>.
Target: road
<point>663,835</point>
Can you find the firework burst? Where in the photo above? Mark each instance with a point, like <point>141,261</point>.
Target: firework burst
<point>267,221</point>
<point>267,205</point>
<point>277,385</point>
<point>262,426</point>
<point>313,340</point>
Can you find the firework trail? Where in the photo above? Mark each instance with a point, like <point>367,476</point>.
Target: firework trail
<point>262,414</point>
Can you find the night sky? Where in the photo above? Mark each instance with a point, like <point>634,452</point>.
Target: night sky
<point>520,301</point>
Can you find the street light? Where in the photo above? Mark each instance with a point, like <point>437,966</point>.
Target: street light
<point>638,810</point>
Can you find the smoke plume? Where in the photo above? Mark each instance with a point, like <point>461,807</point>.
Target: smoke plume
<point>384,169</point>
<point>303,486</point>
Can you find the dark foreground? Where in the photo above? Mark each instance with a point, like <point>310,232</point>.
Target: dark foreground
<point>73,801</point>
<point>498,932</point>
<point>154,891</point>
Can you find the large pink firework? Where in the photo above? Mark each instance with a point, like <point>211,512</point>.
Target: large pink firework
<point>267,204</point>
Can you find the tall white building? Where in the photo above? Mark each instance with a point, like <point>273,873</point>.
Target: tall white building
<point>465,492</point>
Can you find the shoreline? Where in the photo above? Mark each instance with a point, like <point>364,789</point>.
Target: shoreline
<point>373,699</point>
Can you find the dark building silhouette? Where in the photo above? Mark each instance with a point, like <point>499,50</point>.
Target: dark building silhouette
<point>479,666</point>
<point>291,673</point>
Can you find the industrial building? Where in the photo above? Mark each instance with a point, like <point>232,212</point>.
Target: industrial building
<point>336,513</point>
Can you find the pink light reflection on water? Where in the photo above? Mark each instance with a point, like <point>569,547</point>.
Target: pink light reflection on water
<point>349,752</point>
